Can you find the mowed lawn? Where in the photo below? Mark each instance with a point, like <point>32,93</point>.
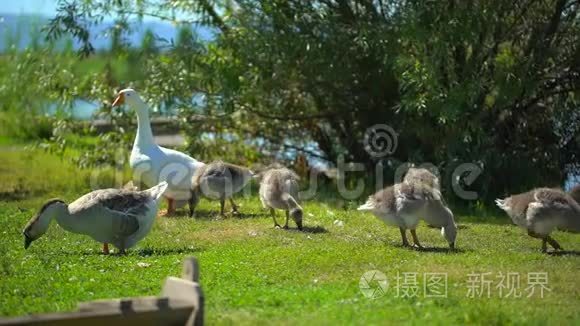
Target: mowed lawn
<point>252,273</point>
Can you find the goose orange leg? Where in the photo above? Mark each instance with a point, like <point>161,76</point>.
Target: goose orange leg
<point>170,207</point>
<point>106,248</point>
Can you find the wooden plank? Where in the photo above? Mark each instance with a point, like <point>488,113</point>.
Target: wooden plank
<point>135,304</point>
<point>109,318</point>
<point>181,303</point>
<point>190,270</point>
<point>180,289</point>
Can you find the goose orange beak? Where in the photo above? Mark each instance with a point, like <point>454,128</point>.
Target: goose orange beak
<point>119,100</point>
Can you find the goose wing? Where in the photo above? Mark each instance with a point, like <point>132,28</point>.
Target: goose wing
<point>557,201</point>
<point>552,197</point>
<point>123,207</point>
<point>382,201</point>
<point>417,192</point>
<point>422,176</point>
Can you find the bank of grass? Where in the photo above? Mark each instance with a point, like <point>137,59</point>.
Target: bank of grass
<point>254,274</point>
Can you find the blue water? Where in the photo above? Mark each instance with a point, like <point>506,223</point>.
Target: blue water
<point>572,181</point>
<point>21,31</point>
<point>81,109</point>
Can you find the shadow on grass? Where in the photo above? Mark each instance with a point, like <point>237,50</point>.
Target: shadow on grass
<point>432,249</point>
<point>144,252</point>
<point>564,253</point>
<point>314,229</point>
<point>244,215</point>
<point>215,215</point>
<point>440,250</point>
<point>305,229</point>
<point>459,227</point>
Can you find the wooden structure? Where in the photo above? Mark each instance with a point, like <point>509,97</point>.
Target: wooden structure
<point>180,303</point>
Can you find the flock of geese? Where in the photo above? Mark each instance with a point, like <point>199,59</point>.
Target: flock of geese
<point>123,217</point>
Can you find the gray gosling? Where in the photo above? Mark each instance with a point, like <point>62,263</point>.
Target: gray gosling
<point>404,204</point>
<point>279,190</point>
<point>541,211</point>
<point>436,213</point>
<point>218,181</point>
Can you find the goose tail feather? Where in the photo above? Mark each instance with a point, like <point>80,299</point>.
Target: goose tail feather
<point>502,203</point>
<point>157,191</point>
<point>368,206</point>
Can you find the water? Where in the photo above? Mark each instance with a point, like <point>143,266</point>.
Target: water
<point>572,181</point>
<point>22,31</point>
<point>81,109</point>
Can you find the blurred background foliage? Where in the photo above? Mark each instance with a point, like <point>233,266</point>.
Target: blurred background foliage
<point>495,83</point>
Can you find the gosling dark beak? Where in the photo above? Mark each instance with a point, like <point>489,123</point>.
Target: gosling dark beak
<point>27,241</point>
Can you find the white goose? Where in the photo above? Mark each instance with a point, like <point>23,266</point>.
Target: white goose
<point>116,216</point>
<point>152,163</point>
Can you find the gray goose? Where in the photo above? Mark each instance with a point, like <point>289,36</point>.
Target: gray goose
<point>117,216</point>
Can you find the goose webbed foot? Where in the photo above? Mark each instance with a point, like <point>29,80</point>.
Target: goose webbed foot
<point>553,243</point>
<point>235,211</point>
<point>544,246</point>
<point>416,240</point>
<point>276,225</point>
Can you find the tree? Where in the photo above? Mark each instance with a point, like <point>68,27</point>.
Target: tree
<point>118,43</point>
<point>148,46</point>
<point>185,40</point>
<point>494,83</point>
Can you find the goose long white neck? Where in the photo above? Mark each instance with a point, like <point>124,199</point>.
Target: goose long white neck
<point>144,135</point>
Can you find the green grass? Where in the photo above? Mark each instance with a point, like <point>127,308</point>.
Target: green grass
<point>254,274</point>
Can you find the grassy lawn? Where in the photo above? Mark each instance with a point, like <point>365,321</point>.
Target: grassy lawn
<point>254,274</point>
